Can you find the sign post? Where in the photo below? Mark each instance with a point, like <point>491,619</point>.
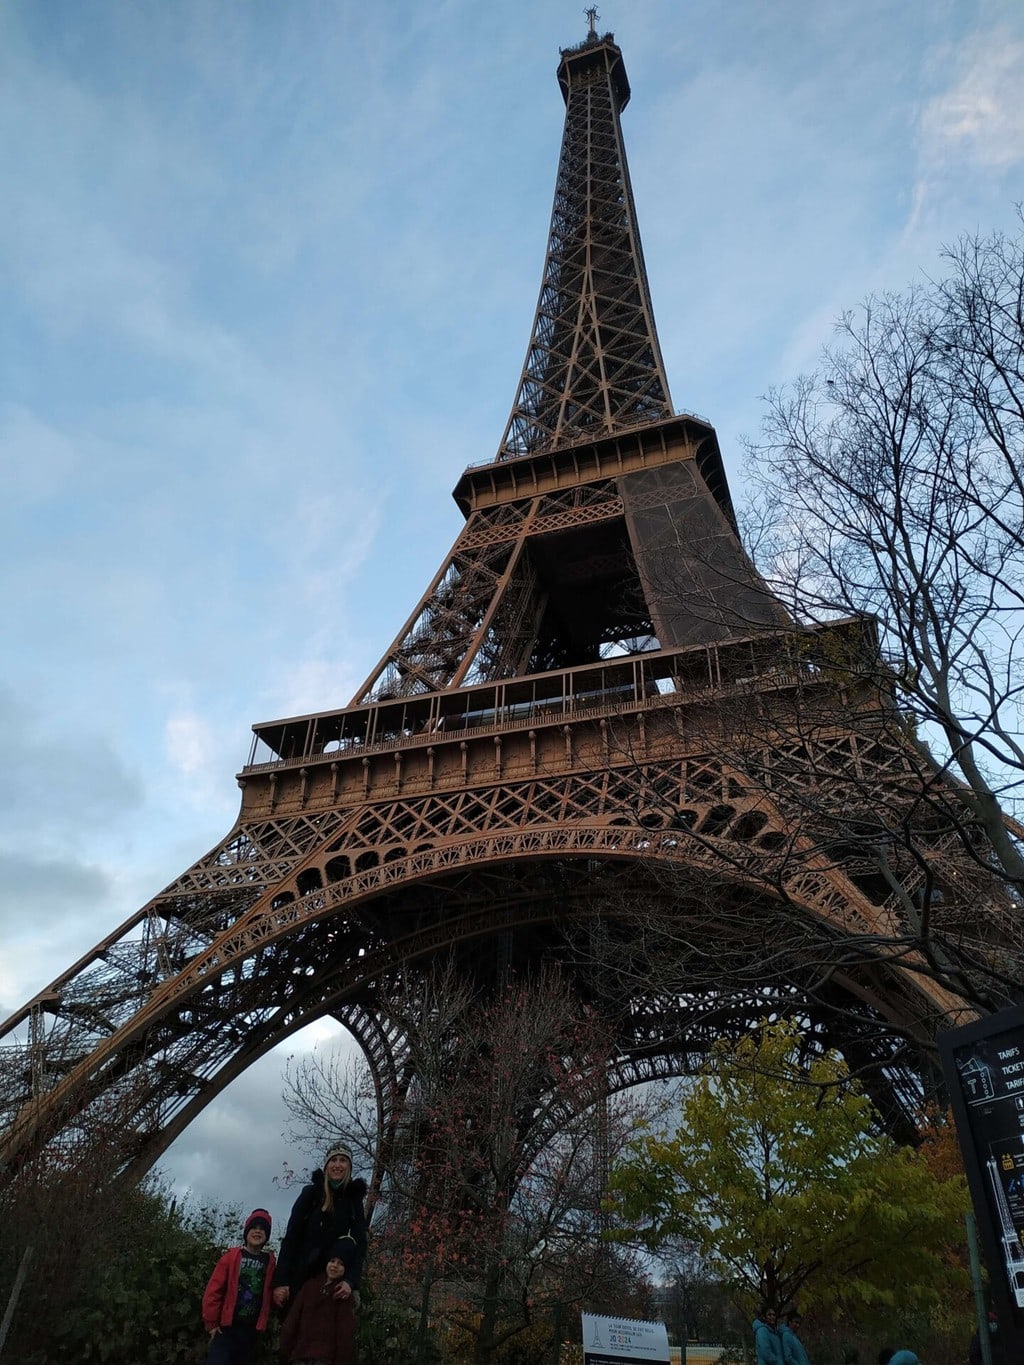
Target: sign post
<point>984,1067</point>
<point>621,1341</point>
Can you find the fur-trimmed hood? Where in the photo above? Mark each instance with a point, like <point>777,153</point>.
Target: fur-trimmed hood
<point>356,1188</point>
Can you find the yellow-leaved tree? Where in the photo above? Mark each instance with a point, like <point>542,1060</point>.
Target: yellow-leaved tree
<point>780,1174</point>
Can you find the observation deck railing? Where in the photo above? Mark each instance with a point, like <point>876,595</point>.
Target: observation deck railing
<point>626,683</point>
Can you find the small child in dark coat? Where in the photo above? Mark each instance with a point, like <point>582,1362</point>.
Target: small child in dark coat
<point>236,1305</point>
<point>320,1328</point>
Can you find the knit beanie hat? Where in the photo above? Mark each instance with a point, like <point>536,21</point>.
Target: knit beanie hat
<point>338,1149</point>
<point>343,1250</point>
<point>259,1218</point>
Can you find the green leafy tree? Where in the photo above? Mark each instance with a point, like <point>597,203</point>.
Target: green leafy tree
<point>114,1273</point>
<point>780,1175</point>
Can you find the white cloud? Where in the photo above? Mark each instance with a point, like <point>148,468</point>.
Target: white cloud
<point>188,740</point>
<point>980,119</point>
<point>58,782</point>
<point>46,904</point>
<point>970,136</point>
<point>315,684</point>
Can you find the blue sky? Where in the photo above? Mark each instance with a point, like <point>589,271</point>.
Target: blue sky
<point>268,271</point>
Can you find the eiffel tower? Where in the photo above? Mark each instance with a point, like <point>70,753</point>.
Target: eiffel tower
<point>503,775</point>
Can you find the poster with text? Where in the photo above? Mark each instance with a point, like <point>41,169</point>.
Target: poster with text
<point>616,1341</point>
<point>989,1072</point>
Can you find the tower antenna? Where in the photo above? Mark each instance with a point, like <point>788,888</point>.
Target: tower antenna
<point>592,17</point>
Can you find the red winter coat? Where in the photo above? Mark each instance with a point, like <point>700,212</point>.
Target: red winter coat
<point>222,1291</point>
<point>319,1326</point>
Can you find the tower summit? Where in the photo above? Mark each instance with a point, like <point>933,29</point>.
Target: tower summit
<point>593,365</point>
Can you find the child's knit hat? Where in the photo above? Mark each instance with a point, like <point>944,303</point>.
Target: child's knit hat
<point>259,1218</point>
<point>342,1250</point>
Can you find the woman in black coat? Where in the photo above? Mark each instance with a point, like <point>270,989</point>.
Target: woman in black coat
<point>329,1208</point>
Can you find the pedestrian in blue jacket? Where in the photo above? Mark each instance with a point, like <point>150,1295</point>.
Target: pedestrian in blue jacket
<point>767,1342</point>
<point>793,1352</point>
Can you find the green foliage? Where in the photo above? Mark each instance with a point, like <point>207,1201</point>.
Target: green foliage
<point>146,1302</point>
<point>780,1175</point>
<point>116,1274</point>
<point>389,1328</point>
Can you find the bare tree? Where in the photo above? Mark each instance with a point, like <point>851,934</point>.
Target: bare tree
<point>490,1211</point>
<point>326,1092</point>
<point>890,485</point>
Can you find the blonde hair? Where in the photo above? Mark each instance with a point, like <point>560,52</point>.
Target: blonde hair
<point>328,1205</point>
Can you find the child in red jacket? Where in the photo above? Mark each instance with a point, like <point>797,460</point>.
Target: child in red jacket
<point>321,1324</point>
<point>237,1301</point>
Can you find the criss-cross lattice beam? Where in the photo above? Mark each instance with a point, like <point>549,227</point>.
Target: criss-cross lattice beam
<point>593,364</point>
<point>505,780</point>
<point>254,980</point>
<point>249,993</point>
<point>479,618</point>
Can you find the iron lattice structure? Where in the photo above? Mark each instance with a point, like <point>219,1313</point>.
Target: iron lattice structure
<point>593,364</point>
<point>591,705</point>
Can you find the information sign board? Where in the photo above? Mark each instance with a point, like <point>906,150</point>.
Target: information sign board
<point>618,1341</point>
<point>984,1067</point>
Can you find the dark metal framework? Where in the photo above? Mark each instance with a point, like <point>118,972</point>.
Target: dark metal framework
<point>532,752</point>
<point>593,364</point>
